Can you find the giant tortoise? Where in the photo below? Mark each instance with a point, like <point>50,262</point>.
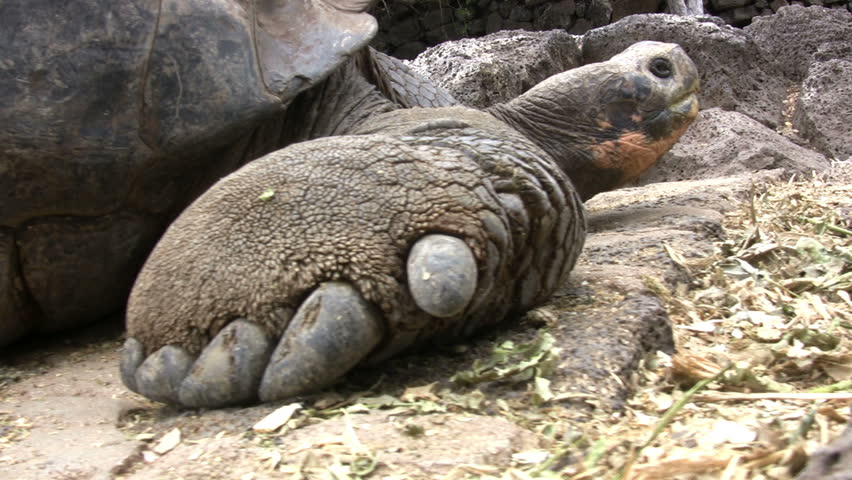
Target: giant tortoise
<point>114,115</point>
<point>410,226</point>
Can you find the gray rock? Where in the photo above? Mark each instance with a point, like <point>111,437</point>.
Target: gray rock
<point>684,7</point>
<point>477,72</point>
<point>797,36</point>
<point>627,231</point>
<point>513,25</point>
<point>721,143</point>
<point>735,74</point>
<point>475,28</point>
<point>520,14</point>
<point>494,23</point>
<point>11,289</point>
<point>592,362</point>
<point>436,18</point>
<point>820,118</point>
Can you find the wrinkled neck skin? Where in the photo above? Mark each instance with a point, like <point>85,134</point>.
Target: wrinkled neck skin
<point>563,131</point>
<point>563,115</point>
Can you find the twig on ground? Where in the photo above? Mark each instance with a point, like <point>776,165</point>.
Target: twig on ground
<point>725,396</point>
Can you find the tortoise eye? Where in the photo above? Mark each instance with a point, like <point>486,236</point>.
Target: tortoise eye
<point>661,67</point>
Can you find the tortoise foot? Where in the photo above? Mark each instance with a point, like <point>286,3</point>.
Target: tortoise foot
<point>331,332</point>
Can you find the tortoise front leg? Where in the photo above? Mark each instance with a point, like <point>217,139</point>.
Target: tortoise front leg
<point>334,253</point>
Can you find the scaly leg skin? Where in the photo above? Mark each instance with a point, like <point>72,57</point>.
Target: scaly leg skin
<point>343,251</point>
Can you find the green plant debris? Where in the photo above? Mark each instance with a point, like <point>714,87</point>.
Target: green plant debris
<point>267,195</point>
<point>844,386</point>
<point>413,430</point>
<point>363,465</point>
<point>13,428</point>
<point>514,363</point>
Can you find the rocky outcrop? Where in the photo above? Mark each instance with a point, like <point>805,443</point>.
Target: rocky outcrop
<point>723,143</point>
<point>11,289</point>
<point>797,37</point>
<point>474,70</point>
<point>819,114</point>
<point>407,28</point>
<point>813,46</point>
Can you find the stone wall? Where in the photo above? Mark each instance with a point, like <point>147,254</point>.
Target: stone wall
<point>740,12</point>
<point>407,27</point>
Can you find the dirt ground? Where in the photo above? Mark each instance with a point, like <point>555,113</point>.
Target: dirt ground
<point>573,390</point>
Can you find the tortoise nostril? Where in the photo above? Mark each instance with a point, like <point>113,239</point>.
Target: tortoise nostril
<point>661,67</point>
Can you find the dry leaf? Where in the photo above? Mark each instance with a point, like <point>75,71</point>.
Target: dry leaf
<point>167,442</point>
<point>531,457</point>
<point>148,456</point>
<point>272,458</point>
<point>726,431</point>
<point>276,419</point>
<point>705,327</point>
<point>838,366</point>
<point>679,466</point>
<point>144,437</point>
<point>423,392</point>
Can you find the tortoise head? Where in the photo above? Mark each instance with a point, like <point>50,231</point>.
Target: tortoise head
<point>606,123</point>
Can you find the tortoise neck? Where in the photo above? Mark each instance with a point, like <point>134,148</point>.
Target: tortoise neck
<point>561,136</point>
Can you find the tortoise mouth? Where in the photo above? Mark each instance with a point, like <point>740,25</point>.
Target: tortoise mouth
<point>686,105</point>
<point>677,115</point>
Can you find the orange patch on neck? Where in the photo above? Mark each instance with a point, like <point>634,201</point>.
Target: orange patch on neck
<point>632,154</point>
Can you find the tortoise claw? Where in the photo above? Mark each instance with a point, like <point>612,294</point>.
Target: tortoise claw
<point>160,375</point>
<point>442,275</point>
<point>229,369</point>
<point>132,355</point>
<point>333,330</point>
